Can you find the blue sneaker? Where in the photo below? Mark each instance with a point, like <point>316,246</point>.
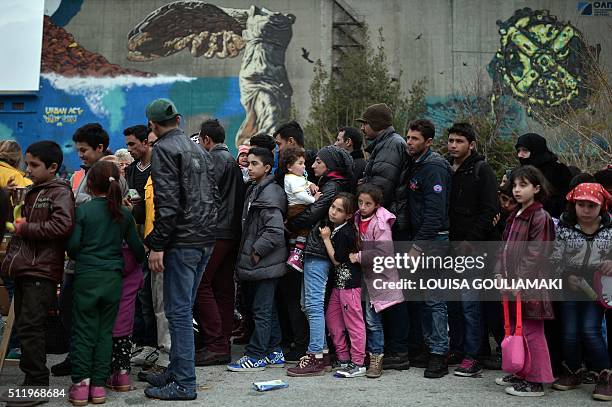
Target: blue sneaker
<point>275,359</point>
<point>170,391</point>
<point>247,364</point>
<point>13,354</point>
<point>159,379</point>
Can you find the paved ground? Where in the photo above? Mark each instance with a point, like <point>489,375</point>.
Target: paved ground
<point>219,387</point>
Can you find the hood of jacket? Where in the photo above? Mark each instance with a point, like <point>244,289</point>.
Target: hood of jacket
<point>469,162</point>
<point>431,157</point>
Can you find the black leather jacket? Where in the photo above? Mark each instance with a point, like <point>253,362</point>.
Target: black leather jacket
<point>186,196</point>
<point>228,178</point>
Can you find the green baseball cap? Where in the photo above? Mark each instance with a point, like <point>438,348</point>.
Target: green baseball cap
<point>160,110</point>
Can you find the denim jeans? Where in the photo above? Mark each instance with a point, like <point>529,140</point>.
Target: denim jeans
<point>435,316</point>
<point>183,269</point>
<point>266,336</point>
<point>375,334</point>
<point>316,271</point>
<point>581,329</point>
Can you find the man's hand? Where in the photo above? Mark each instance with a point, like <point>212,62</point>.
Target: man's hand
<point>317,195</point>
<point>255,258</point>
<point>496,219</point>
<point>574,282</point>
<point>156,261</point>
<point>313,188</point>
<point>127,203</point>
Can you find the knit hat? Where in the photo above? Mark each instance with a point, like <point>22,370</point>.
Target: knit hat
<point>336,159</point>
<point>160,110</point>
<point>590,191</point>
<point>378,116</point>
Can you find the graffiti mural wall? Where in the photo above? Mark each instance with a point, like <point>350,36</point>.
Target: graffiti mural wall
<point>80,86</point>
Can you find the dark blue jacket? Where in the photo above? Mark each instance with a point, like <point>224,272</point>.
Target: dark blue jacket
<point>429,186</point>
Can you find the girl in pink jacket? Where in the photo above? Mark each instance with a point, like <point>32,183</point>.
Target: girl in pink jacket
<point>374,223</point>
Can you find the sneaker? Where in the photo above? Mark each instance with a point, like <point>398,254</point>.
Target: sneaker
<point>208,358</point>
<point>327,361</point>
<point>275,359</point>
<point>396,361</point>
<point>437,367</point>
<point>309,365</point>
<point>493,362</point>
<point>526,389</point>
<point>13,354</point>
<point>603,388</point>
<point>294,355</point>
<point>454,358</point>
<point>159,379</point>
<point>508,380</point>
<point>119,382</point>
<point>153,370</point>
<point>568,380</point>
<point>590,377</point>
<point>352,370</point>
<point>136,349</point>
<point>62,368</point>
<point>97,394</point>
<point>170,391</point>
<point>78,394</point>
<point>340,365</point>
<point>296,258</point>
<point>247,364</point>
<point>468,368</point>
<point>375,367</point>
<point>147,356</point>
<point>420,361</point>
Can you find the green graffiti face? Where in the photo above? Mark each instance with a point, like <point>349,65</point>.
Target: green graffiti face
<point>541,62</point>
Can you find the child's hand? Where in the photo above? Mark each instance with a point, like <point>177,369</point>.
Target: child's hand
<point>317,196</point>
<point>354,257</point>
<point>606,267</point>
<point>325,232</point>
<point>574,282</point>
<point>313,188</point>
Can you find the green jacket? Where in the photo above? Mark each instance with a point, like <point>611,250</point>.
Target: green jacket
<point>96,242</point>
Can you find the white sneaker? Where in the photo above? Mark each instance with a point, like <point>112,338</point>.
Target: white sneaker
<point>147,356</point>
<point>351,370</point>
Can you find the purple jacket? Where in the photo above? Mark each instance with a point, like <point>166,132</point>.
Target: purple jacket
<point>379,231</point>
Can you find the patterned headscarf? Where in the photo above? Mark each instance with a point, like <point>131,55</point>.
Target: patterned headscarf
<point>590,191</point>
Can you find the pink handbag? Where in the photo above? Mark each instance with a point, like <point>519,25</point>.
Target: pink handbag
<point>515,352</point>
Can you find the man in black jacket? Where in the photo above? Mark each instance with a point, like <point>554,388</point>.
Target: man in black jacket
<point>291,135</point>
<point>383,169</point>
<point>351,139</point>
<point>387,151</point>
<point>429,181</point>
<point>215,297</point>
<point>531,149</point>
<point>473,206</point>
<point>186,203</point>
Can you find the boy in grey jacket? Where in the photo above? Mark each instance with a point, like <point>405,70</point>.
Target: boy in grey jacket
<point>261,262</point>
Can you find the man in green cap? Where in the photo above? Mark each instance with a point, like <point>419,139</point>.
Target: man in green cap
<point>186,201</point>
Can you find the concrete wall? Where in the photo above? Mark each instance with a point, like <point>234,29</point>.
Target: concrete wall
<point>448,42</point>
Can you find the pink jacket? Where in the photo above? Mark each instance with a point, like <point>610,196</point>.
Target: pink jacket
<point>379,231</point>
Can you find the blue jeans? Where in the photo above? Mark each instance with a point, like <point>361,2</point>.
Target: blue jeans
<point>183,269</point>
<point>375,334</point>
<point>266,336</point>
<point>435,316</point>
<point>581,329</point>
<point>316,271</point>
<point>145,331</point>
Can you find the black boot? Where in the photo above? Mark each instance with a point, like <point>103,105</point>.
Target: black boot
<point>62,368</point>
<point>396,361</point>
<point>437,367</point>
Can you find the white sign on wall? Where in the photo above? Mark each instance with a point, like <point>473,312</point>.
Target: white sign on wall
<point>21,29</point>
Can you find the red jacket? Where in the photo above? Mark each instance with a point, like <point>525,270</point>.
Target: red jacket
<point>38,250</point>
<point>529,241</point>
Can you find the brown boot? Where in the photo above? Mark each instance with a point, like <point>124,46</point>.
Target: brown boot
<point>569,380</point>
<point>375,368</point>
<point>603,388</point>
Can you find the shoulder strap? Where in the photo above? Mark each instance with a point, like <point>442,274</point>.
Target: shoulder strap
<point>477,168</point>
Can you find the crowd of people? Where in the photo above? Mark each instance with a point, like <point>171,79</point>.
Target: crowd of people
<point>169,253</point>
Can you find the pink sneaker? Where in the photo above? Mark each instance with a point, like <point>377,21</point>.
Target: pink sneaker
<point>119,382</point>
<point>78,394</point>
<point>296,258</point>
<point>97,394</point>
